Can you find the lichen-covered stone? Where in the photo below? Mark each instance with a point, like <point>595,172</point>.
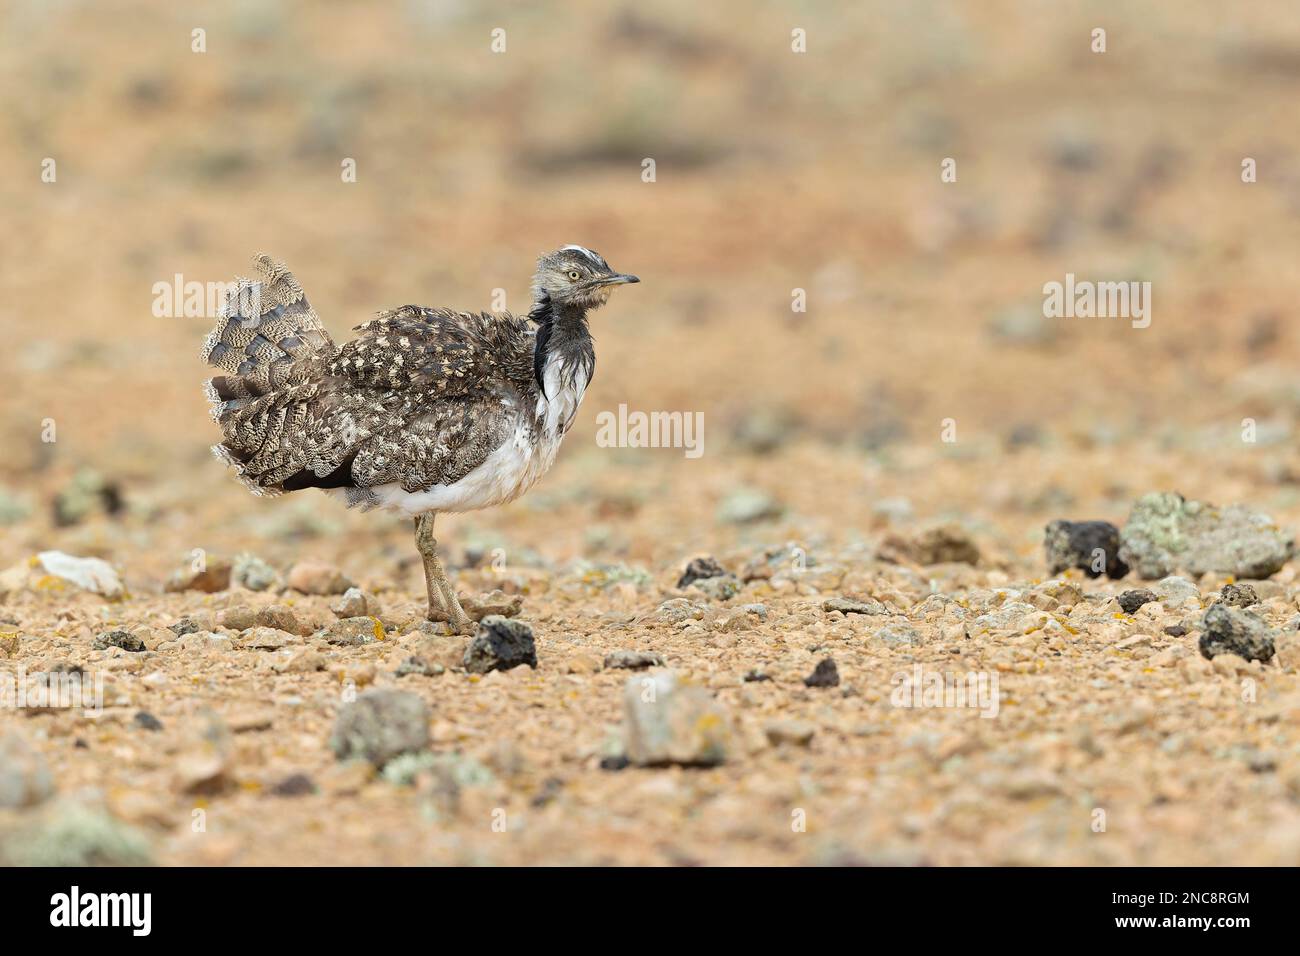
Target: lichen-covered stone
<point>380,725</point>
<point>1167,532</point>
<point>667,721</point>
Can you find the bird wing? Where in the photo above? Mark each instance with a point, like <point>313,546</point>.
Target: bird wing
<point>422,396</point>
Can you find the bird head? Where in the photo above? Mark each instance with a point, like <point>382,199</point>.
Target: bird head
<point>574,275</point>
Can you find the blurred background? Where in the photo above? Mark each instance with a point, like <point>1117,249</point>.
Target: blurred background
<point>775,171</point>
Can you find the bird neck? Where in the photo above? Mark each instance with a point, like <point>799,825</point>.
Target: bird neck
<point>563,333</point>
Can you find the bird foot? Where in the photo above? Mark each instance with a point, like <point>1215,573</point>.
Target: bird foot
<point>458,623</point>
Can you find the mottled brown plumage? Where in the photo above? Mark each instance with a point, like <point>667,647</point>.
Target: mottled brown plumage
<point>425,410</point>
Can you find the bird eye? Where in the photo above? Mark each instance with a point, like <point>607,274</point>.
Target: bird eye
<point>575,275</point>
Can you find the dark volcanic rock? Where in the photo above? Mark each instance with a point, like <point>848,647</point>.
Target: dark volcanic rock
<point>147,721</point>
<point>698,570</point>
<point>825,674</point>
<point>1130,601</point>
<point>500,644</point>
<point>1090,546</point>
<point>1230,630</point>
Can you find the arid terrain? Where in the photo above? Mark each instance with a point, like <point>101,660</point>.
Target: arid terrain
<point>876,474</point>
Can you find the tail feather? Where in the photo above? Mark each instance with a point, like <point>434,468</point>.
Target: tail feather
<point>273,347</point>
<point>267,336</point>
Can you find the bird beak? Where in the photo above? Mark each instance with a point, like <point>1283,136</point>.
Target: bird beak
<point>618,279</point>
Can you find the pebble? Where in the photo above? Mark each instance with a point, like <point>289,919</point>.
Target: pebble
<point>238,618</point>
<point>721,588</point>
<point>380,725</point>
<point>119,638</point>
<point>355,631</point>
<point>634,660</point>
<point>1130,601</point>
<point>500,644</point>
<point>1175,591</point>
<point>699,569</point>
<point>419,666</point>
<point>268,639</point>
<point>667,721</point>
<point>945,544</point>
<point>317,577</point>
<point>1238,595</point>
<point>498,603</point>
<point>853,606</point>
<point>251,572</point>
<point>305,661</point>
<point>147,721</point>
<point>281,617</point>
<point>294,785</point>
<point>825,674</point>
<point>354,603</point>
<point>1230,630</point>
<point>213,575</point>
<point>678,610</point>
<point>1089,546</point>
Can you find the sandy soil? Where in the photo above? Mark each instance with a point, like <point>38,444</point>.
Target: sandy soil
<point>1114,741</point>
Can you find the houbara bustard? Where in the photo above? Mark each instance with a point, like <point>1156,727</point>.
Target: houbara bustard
<point>426,410</point>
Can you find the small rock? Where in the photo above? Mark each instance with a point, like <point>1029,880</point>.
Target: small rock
<point>89,574</point>
<point>677,610</point>
<point>1131,600</point>
<point>756,610</point>
<point>210,576</point>
<point>186,625</point>
<point>419,666</point>
<point>147,721</point>
<point>722,588</point>
<point>825,674</point>
<point>1175,591</point>
<point>281,617</point>
<point>1238,595</point>
<point>355,631</point>
<point>1090,546</point>
<point>896,633</point>
<point>268,639</point>
<point>1230,630</point>
<point>303,662</point>
<point>699,569</point>
<point>354,603</point>
<point>493,603</point>
<point>24,776</point>
<point>380,725</point>
<point>294,785</point>
<point>1167,532</point>
<point>667,721</point>
<point>317,577</point>
<point>249,571</point>
<point>634,660</point>
<point>1176,630</point>
<point>238,618</point>
<point>797,732</point>
<point>853,606</point>
<point>500,644</point>
<point>754,675</point>
<point>119,638</point>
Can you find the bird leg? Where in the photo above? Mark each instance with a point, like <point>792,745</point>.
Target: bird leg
<point>442,596</point>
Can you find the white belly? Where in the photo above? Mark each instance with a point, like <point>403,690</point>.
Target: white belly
<point>510,470</point>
